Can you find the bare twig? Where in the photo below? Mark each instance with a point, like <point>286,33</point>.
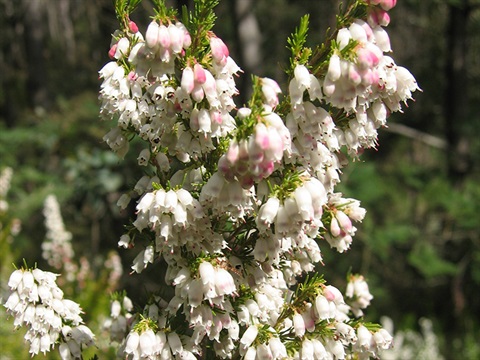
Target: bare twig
<point>417,135</point>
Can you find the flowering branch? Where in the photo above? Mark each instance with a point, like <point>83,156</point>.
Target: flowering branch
<point>238,201</point>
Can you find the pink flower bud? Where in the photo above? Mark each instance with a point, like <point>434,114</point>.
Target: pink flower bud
<point>112,51</point>
<point>343,220</point>
<point>308,318</point>
<point>335,228</point>
<point>187,39</point>
<point>388,4</point>
<point>233,152</point>
<point>216,117</point>
<point>163,36</point>
<point>366,58</point>
<point>270,89</point>
<point>353,75</point>
<point>267,168</point>
<point>132,76</point>
<point>219,50</point>
<point>262,139</point>
<point>377,17</point>
<point>368,30</point>
<point>132,27</point>
<point>199,74</point>
<point>329,295</point>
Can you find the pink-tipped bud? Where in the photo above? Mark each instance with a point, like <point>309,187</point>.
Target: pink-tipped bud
<point>112,51</point>
<point>377,17</point>
<point>335,228</point>
<point>344,221</point>
<point>132,27</point>
<point>199,74</point>
<point>388,4</point>
<point>132,76</point>
<point>262,139</point>
<point>219,50</point>
<point>366,59</point>
<point>163,36</point>
<point>353,75</point>
<point>329,295</point>
<point>232,153</point>
<point>270,89</point>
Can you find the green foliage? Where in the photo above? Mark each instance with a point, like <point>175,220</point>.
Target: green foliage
<point>427,260</point>
<point>123,8</point>
<point>299,52</point>
<point>200,23</point>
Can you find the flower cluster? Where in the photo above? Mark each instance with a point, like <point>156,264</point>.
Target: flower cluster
<point>120,314</point>
<point>358,294</point>
<point>360,79</point>
<point>12,226</point>
<point>238,201</point>
<point>5,179</point>
<point>57,247</point>
<point>37,302</point>
<point>147,98</point>
<point>253,159</point>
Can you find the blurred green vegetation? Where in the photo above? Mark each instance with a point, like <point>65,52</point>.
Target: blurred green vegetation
<point>419,245</point>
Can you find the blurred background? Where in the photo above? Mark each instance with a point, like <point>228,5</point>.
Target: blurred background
<point>419,246</point>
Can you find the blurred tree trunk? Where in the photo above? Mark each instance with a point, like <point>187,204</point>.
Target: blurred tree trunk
<point>459,157</point>
<point>34,22</point>
<point>12,61</point>
<point>456,94</point>
<point>249,39</point>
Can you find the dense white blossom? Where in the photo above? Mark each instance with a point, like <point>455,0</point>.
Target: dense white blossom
<point>37,303</point>
<point>235,203</point>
